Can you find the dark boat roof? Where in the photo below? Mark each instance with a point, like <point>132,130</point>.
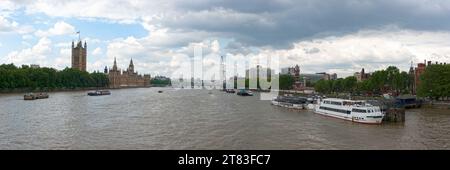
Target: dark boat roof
<point>405,97</point>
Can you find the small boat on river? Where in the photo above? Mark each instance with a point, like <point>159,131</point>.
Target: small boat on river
<point>32,96</point>
<point>99,93</point>
<point>230,91</point>
<point>291,102</point>
<point>244,92</point>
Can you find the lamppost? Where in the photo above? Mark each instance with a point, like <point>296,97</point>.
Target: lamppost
<point>431,93</point>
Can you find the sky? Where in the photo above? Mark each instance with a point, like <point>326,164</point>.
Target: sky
<point>334,36</point>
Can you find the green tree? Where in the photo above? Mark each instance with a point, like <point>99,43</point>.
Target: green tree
<point>435,82</point>
<point>12,77</point>
<point>286,81</point>
<point>350,84</point>
<point>323,86</point>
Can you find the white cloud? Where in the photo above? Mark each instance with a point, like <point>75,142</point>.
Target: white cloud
<point>63,44</point>
<point>63,60</point>
<point>97,51</point>
<point>27,37</point>
<point>370,49</point>
<point>215,47</point>
<point>344,55</point>
<point>7,26</point>
<point>65,51</point>
<point>34,55</point>
<point>119,10</point>
<point>60,28</point>
<point>7,6</point>
<point>43,46</point>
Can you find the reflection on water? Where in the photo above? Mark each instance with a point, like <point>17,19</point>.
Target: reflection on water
<point>194,119</point>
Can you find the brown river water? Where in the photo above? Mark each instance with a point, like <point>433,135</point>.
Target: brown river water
<point>195,119</point>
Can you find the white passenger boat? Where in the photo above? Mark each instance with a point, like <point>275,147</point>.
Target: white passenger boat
<point>355,111</point>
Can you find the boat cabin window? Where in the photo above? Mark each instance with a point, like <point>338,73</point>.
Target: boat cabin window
<point>335,110</point>
<point>332,102</point>
<point>359,103</point>
<point>359,110</point>
<point>347,103</point>
<point>336,103</point>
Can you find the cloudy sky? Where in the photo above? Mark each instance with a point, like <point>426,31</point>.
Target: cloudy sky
<point>336,36</point>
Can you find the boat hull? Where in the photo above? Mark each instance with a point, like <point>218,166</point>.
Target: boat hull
<point>35,96</point>
<point>99,93</point>
<point>29,98</point>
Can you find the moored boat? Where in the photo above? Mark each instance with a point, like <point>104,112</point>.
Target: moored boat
<point>351,110</point>
<point>291,102</point>
<point>32,96</point>
<point>29,96</point>
<point>230,91</point>
<point>244,92</point>
<point>42,96</point>
<point>99,93</point>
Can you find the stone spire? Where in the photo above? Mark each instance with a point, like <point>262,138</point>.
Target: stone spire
<point>131,67</point>
<point>297,70</point>
<point>115,64</point>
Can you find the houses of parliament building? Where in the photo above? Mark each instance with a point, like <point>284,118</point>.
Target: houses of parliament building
<point>126,78</point>
<point>117,78</point>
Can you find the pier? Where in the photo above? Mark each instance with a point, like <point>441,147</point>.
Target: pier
<point>394,115</point>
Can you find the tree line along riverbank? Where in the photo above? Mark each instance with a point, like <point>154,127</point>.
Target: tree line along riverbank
<point>25,79</point>
<point>434,83</point>
<point>15,79</point>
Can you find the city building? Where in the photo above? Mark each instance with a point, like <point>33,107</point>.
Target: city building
<point>417,72</point>
<point>161,78</point>
<point>290,70</point>
<point>307,80</point>
<point>79,54</point>
<point>333,76</point>
<point>311,78</point>
<point>295,73</point>
<point>325,76</point>
<point>127,78</point>
<point>302,81</point>
<point>285,70</point>
<point>412,77</point>
<point>35,66</point>
<point>259,71</point>
<point>361,76</point>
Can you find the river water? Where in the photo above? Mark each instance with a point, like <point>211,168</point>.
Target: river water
<point>195,119</point>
